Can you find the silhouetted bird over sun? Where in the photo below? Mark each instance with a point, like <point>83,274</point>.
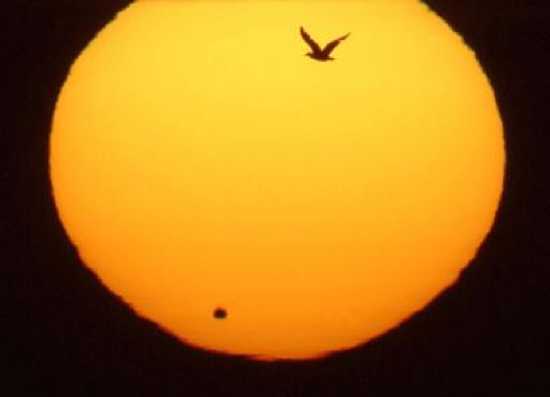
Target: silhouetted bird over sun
<point>318,53</point>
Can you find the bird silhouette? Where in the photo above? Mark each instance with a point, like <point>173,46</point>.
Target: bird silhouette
<point>316,52</point>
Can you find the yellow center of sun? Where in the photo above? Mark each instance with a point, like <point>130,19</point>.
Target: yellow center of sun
<point>252,200</point>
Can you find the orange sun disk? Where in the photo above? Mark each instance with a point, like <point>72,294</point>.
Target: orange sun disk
<point>252,200</point>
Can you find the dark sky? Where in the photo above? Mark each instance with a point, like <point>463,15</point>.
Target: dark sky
<point>64,334</point>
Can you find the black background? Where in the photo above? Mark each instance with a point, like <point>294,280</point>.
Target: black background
<point>64,334</point>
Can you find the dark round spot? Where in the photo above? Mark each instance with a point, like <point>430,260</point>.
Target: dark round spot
<point>220,313</point>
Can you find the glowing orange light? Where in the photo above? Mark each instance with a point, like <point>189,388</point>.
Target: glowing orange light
<point>252,200</point>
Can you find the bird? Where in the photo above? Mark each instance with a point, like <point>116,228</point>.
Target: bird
<point>317,53</point>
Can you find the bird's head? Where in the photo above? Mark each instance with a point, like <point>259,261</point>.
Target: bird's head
<point>309,54</point>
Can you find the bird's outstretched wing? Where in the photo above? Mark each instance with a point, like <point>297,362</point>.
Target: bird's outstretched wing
<point>307,38</point>
<point>333,44</point>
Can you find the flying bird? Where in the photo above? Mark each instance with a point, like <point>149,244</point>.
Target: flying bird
<point>316,52</point>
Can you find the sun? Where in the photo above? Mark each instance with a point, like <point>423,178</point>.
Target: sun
<point>253,200</point>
